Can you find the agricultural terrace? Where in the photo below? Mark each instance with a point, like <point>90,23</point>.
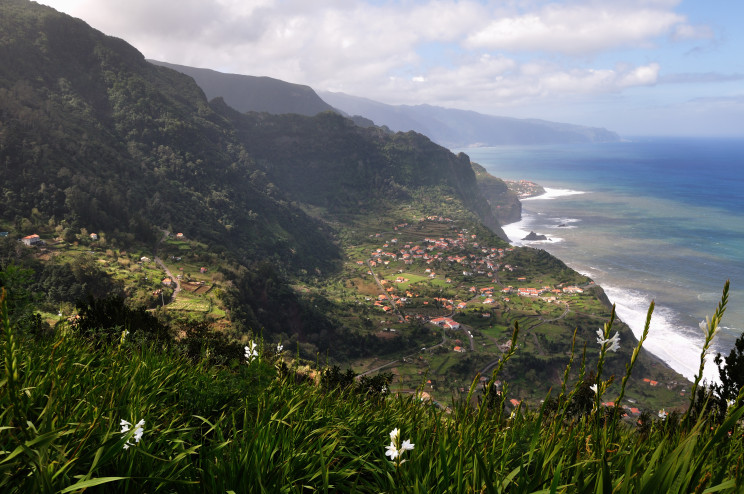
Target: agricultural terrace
<point>150,279</point>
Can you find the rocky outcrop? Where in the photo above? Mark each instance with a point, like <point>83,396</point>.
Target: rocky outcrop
<point>534,236</point>
<point>503,202</point>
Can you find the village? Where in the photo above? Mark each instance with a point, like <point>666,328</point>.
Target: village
<point>467,287</point>
<point>469,292</point>
<point>469,275</point>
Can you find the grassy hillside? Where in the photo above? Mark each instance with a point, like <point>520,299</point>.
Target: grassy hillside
<point>132,416</point>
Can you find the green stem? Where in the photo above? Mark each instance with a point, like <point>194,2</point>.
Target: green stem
<point>710,333</point>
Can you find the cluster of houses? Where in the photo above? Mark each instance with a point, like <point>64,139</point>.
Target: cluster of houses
<point>31,240</point>
<point>461,249</point>
<point>525,188</point>
<point>432,251</point>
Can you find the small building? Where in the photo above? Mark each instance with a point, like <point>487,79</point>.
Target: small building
<point>202,270</point>
<point>459,349</point>
<point>94,236</point>
<point>167,281</point>
<point>446,322</point>
<point>179,236</point>
<point>572,289</point>
<point>32,240</point>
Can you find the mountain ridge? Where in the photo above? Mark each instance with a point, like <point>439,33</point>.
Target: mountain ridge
<point>454,128</point>
<point>449,127</point>
<point>254,93</point>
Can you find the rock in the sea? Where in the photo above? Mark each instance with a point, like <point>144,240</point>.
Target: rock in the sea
<point>535,236</point>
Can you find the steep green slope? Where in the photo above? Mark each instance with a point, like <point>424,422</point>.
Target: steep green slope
<point>329,162</point>
<point>93,136</point>
<point>248,93</point>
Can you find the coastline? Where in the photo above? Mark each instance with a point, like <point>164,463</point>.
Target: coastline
<point>678,346</point>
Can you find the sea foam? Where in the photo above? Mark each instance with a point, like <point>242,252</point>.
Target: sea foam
<point>552,193</point>
<point>677,345</point>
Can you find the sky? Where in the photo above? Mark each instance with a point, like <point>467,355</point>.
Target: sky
<point>638,67</point>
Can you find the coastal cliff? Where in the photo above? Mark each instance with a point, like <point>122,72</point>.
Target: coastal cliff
<point>504,202</point>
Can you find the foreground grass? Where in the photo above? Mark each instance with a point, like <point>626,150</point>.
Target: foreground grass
<point>259,427</point>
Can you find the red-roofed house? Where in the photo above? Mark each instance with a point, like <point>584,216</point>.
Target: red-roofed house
<point>446,322</point>
<point>31,240</point>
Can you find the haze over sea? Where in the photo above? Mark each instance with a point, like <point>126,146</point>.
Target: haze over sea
<point>649,219</point>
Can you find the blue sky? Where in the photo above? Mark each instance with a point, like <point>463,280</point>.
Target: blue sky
<point>639,67</point>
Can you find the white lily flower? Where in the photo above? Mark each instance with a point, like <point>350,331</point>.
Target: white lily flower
<point>394,434</point>
<point>251,351</point>
<point>705,327</point>
<point>392,451</point>
<point>593,387</point>
<point>614,341</point>
<point>138,431</point>
<point>395,452</point>
<point>279,348</point>
<point>662,414</point>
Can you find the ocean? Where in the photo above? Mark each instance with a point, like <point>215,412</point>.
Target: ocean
<point>648,219</point>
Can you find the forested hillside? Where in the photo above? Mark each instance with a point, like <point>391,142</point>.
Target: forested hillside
<point>93,138</point>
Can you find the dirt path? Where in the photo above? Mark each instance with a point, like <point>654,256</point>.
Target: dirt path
<point>162,265</point>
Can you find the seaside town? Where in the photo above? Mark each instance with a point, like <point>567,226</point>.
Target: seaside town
<point>471,292</point>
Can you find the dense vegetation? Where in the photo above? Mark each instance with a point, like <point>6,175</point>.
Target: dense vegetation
<point>131,413</point>
<point>93,138</point>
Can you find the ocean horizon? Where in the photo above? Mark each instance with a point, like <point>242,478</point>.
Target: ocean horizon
<point>657,219</point>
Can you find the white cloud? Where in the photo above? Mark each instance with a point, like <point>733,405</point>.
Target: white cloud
<point>492,84</point>
<point>686,31</point>
<point>577,29</point>
<point>481,55</point>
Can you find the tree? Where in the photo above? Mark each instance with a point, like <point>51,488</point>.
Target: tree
<point>16,281</point>
<point>731,370</point>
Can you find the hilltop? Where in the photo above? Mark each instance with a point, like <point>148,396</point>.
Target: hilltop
<point>250,93</point>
